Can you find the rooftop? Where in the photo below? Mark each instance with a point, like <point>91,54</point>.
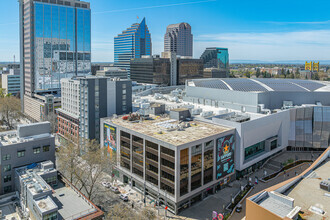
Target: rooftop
<point>262,85</point>
<point>171,131</point>
<point>308,193</point>
<point>25,133</point>
<point>71,205</point>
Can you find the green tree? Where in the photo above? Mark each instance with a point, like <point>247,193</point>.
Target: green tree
<point>10,109</point>
<point>258,73</point>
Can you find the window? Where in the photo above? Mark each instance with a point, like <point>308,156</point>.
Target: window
<point>7,189</point>
<point>36,150</point>
<point>124,96</point>
<point>7,178</point>
<point>124,108</point>
<point>124,86</point>
<point>124,91</point>
<point>6,168</point>
<point>45,148</point>
<point>21,153</point>
<point>6,157</point>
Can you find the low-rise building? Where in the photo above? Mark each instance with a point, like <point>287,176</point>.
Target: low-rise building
<point>31,143</point>
<point>11,82</point>
<point>175,161</point>
<point>112,72</point>
<point>302,197</point>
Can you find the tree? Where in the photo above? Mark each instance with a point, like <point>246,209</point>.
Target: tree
<point>10,109</point>
<point>147,214</point>
<point>67,160</point>
<point>258,73</point>
<point>118,212</point>
<point>52,118</point>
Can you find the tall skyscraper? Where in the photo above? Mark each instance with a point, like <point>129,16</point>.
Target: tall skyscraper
<point>178,39</point>
<point>134,42</point>
<point>55,43</point>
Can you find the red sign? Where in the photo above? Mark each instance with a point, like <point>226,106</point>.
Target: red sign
<point>166,207</point>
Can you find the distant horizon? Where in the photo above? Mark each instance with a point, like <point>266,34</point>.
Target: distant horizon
<point>289,62</point>
<point>250,30</point>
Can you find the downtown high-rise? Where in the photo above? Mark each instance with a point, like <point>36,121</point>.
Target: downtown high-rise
<point>134,42</point>
<point>178,39</point>
<point>55,43</point>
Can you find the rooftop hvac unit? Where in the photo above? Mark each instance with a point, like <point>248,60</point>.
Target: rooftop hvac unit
<point>206,114</point>
<point>325,185</point>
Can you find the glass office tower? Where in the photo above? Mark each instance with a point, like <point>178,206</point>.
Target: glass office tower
<point>55,43</point>
<point>134,42</point>
<point>215,57</point>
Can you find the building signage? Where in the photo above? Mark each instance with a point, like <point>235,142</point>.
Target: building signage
<point>225,156</point>
<point>110,138</point>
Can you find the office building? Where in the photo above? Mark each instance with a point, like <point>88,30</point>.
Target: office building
<point>87,99</point>
<point>11,82</point>
<point>176,162</point>
<point>189,68</point>
<point>215,73</point>
<point>303,197</point>
<point>215,57</point>
<point>134,42</point>
<point>151,69</point>
<point>55,40</point>
<point>32,143</point>
<point>168,70</point>
<point>112,72</point>
<point>178,39</point>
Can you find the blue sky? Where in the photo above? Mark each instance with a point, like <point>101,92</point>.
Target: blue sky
<point>252,30</point>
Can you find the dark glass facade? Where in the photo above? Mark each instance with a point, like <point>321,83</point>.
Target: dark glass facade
<point>189,69</point>
<point>208,161</point>
<point>151,70</point>
<point>184,171</point>
<point>196,167</point>
<point>62,44</point>
<point>312,127</point>
<point>254,150</point>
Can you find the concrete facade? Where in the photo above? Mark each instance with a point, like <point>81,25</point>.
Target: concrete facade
<point>11,82</point>
<point>178,39</point>
<point>19,149</point>
<point>160,172</point>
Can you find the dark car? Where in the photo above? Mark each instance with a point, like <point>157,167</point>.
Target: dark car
<point>239,208</point>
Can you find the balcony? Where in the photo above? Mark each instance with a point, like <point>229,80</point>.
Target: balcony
<point>138,155</point>
<point>138,144</point>
<point>138,166</point>
<point>125,150</point>
<point>125,160</point>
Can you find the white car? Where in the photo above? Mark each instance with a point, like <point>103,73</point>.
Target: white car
<point>124,197</point>
<point>106,184</point>
<point>114,189</point>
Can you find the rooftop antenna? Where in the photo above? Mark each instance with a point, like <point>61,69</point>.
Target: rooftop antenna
<point>137,19</point>
<point>14,58</point>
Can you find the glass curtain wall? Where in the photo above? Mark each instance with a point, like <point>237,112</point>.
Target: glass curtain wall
<point>184,171</point>
<point>196,167</point>
<point>208,161</point>
<point>62,44</point>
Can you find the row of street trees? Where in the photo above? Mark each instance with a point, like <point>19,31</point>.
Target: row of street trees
<point>87,170</point>
<point>10,110</point>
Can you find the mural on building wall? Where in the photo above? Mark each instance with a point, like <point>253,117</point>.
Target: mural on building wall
<point>225,156</point>
<point>110,138</point>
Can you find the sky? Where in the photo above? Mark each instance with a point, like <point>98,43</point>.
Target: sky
<point>252,30</point>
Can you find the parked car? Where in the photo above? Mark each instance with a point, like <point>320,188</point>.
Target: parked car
<point>239,208</point>
<point>106,184</point>
<point>114,189</point>
<point>124,197</point>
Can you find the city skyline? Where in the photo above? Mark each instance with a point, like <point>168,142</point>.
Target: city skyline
<point>248,29</point>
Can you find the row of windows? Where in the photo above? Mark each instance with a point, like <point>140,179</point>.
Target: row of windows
<point>21,153</point>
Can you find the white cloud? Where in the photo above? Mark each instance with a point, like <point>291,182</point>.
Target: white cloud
<point>298,45</point>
